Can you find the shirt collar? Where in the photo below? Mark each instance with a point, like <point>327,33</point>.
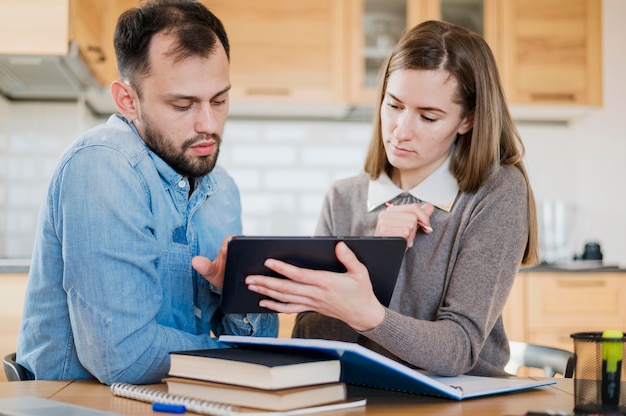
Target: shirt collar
<point>440,188</point>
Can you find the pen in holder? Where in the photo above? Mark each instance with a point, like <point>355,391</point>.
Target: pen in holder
<point>599,376</point>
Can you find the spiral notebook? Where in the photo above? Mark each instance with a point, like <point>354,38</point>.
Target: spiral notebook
<point>158,394</point>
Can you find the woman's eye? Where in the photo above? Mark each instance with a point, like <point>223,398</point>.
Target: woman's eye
<point>429,119</point>
<point>392,105</point>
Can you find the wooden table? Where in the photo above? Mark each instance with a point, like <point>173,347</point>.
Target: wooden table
<point>97,396</point>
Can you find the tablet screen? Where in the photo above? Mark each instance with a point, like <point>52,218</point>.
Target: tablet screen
<point>246,254</point>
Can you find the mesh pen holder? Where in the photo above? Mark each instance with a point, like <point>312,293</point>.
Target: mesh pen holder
<point>588,375</point>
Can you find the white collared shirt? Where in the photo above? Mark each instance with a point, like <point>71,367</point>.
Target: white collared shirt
<point>440,189</point>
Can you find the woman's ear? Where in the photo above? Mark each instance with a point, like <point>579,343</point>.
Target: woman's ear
<point>467,124</point>
<point>125,98</point>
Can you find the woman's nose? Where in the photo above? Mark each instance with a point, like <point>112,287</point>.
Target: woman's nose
<point>404,127</point>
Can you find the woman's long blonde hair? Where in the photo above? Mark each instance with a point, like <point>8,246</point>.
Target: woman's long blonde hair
<point>493,141</point>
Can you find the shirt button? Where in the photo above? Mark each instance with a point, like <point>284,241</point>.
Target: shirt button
<point>182,184</point>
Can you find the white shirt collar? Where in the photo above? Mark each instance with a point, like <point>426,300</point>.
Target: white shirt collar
<point>440,188</point>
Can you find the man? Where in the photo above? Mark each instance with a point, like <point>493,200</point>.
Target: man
<point>111,289</point>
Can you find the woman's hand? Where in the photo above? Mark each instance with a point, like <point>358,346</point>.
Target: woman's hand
<point>346,296</point>
<point>404,221</point>
<point>212,271</point>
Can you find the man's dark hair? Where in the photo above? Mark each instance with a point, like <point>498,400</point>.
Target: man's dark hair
<point>190,22</point>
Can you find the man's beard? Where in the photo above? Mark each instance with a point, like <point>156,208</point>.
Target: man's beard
<point>176,159</point>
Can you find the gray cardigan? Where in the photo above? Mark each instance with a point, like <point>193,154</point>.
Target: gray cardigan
<point>445,315</point>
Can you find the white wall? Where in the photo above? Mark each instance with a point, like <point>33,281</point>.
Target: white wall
<point>284,167</point>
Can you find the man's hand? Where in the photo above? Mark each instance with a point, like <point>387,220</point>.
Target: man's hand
<point>212,271</point>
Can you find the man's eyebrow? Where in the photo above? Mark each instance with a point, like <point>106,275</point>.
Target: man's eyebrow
<point>175,96</point>
<point>225,90</point>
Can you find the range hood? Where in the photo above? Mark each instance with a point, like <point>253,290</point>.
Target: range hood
<point>45,77</point>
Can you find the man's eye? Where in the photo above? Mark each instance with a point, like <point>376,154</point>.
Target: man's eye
<point>429,119</point>
<point>181,107</point>
<point>220,102</point>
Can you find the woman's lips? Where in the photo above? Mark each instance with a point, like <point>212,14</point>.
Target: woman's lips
<point>399,150</point>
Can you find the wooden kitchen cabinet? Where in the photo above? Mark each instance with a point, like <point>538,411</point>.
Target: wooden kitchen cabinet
<point>548,52</point>
<point>546,307</point>
<point>34,27</point>
<point>53,27</point>
<point>285,51</point>
<point>92,24</point>
<point>12,289</point>
<point>375,27</point>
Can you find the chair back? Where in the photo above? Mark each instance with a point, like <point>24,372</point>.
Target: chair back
<point>13,370</point>
<point>551,360</point>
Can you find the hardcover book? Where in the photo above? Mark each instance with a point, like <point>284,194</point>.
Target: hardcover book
<point>281,399</point>
<point>257,367</point>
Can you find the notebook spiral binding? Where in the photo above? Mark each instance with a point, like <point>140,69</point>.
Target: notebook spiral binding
<point>147,394</point>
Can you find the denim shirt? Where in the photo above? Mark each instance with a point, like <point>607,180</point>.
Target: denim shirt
<point>111,290</point>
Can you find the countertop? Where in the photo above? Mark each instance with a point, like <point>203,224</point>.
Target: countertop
<point>14,265</point>
<point>582,266</point>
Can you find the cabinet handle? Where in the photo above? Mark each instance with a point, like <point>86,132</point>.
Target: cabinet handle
<point>553,96</point>
<point>97,49</point>
<point>283,92</point>
<point>581,283</point>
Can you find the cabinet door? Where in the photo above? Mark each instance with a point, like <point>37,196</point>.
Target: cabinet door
<point>34,27</point>
<point>374,27</point>
<point>560,304</point>
<point>87,31</point>
<point>284,50</point>
<point>551,51</point>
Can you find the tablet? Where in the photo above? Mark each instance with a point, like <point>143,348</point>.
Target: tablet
<point>381,255</point>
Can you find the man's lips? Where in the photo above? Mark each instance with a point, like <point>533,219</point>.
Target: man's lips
<point>204,148</point>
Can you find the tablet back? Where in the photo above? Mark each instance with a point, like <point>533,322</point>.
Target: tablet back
<point>381,255</point>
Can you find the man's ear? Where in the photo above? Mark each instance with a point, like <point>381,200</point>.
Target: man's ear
<point>124,97</point>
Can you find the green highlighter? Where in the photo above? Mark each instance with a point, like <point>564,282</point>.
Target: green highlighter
<point>612,351</point>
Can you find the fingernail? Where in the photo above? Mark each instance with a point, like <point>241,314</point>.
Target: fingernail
<point>427,229</point>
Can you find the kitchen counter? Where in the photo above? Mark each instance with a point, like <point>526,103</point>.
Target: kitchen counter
<point>575,267</point>
<point>14,265</point>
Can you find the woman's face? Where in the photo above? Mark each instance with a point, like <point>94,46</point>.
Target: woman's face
<point>420,122</point>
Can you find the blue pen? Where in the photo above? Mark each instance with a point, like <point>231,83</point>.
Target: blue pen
<point>612,351</point>
<point>168,408</point>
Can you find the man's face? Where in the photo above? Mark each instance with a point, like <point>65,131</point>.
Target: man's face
<point>183,107</point>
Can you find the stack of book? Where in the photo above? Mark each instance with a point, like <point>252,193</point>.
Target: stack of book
<point>261,378</point>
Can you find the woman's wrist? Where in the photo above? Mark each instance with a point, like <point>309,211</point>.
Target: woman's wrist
<point>370,320</point>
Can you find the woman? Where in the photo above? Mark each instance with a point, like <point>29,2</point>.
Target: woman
<point>444,170</point>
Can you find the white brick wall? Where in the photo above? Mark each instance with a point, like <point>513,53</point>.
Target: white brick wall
<point>283,169</point>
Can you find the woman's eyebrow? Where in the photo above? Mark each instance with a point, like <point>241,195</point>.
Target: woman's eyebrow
<point>435,109</point>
